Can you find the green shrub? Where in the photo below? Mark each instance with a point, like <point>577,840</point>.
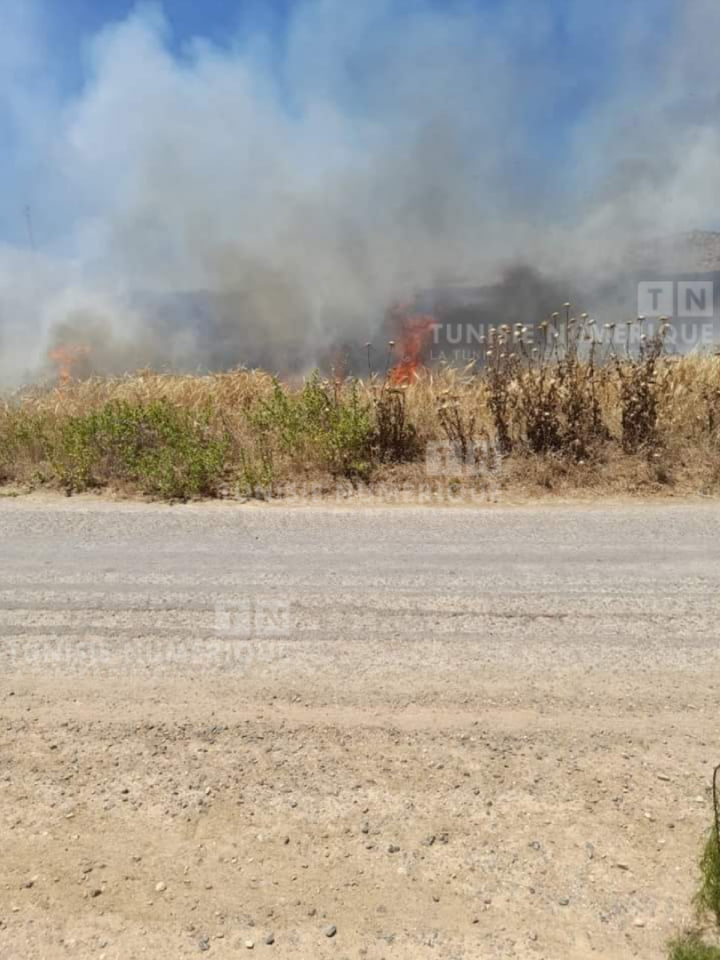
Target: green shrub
<point>256,474</point>
<point>708,896</point>
<point>692,947</point>
<point>161,449</point>
<point>25,438</point>
<point>320,426</point>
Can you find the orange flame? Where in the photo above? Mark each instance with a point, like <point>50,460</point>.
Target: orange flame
<point>66,358</point>
<point>413,332</point>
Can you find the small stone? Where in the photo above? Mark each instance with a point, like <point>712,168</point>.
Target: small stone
<point>330,931</point>
<point>270,939</point>
<point>160,887</point>
<point>393,848</point>
<point>203,943</point>
<point>249,944</point>
<point>96,892</point>
<point>639,922</point>
<point>563,901</point>
<point>664,777</point>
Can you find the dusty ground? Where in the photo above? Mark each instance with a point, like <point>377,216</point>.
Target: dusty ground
<point>452,733</point>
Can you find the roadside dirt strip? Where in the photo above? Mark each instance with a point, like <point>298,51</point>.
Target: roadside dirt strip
<point>344,732</point>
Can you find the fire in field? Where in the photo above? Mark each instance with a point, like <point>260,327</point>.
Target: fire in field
<point>359,470</point>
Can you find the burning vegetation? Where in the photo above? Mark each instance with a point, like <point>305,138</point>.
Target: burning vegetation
<point>413,331</point>
<point>573,411</point>
<point>71,362</point>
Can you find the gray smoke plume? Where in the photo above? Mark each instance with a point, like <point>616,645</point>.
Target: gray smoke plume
<point>259,203</point>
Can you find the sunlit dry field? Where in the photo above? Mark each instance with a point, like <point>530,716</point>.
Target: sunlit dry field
<point>575,414</point>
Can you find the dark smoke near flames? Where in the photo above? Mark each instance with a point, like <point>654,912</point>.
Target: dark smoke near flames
<point>264,205</point>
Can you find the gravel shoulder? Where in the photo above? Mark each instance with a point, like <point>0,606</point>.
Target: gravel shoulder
<point>451,733</point>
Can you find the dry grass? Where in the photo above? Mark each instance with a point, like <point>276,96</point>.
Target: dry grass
<point>575,412</point>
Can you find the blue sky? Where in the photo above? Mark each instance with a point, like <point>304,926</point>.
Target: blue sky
<point>586,34</point>
<point>587,41</point>
<point>73,23</point>
<point>218,20</point>
<point>586,37</point>
<point>568,71</point>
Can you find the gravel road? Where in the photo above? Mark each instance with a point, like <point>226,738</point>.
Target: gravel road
<point>344,732</point>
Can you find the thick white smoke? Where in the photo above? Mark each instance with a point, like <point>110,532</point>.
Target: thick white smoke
<point>245,205</point>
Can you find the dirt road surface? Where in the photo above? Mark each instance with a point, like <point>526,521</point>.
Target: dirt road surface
<point>343,733</point>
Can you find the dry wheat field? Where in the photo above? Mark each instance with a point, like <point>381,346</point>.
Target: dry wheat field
<point>579,412</point>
